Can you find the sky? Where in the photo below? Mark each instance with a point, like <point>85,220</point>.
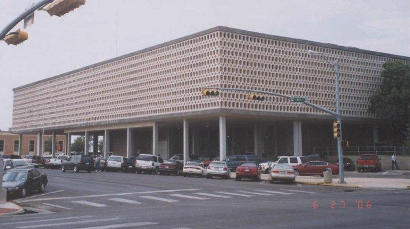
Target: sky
<point>103,29</point>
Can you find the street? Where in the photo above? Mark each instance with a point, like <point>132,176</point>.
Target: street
<point>126,200</point>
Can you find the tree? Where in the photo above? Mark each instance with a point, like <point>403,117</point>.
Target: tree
<point>78,145</point>
<point>392,101</point>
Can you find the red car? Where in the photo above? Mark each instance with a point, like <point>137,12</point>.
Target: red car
<point>247,170</point>
<point>368,162</point>
<point>315,168</point>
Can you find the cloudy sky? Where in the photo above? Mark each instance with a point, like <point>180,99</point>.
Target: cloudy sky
<point>103,29</point>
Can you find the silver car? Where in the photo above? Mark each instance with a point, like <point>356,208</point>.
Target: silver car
<point>217,168</point>
<point>282,172</point>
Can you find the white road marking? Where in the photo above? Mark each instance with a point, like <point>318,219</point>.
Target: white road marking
<point>189,197</point>
<point>256,193</point>
<point>84,202</point>
<point>46,220</point>
<point>68,223</point>
<point>109,194</point>
<point>121,200</point>
<point>159,199</point>
<point>275,192</point>
<point>235,194</point>
<point>33,197</point>
<point>56,206</point>
<point>211,195</point>
<point>113,226</point>
<point>292,190</point>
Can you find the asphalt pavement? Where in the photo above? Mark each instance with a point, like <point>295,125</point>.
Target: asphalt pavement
<point>126,200</point>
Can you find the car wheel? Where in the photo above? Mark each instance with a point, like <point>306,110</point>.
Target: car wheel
<point>23,192</point>
<point>63,169</point>
<point>75,169</point>
<point>42,187</point>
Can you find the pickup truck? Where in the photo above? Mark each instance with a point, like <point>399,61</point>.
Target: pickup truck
<point>368,162</point>
<point>148,163</point>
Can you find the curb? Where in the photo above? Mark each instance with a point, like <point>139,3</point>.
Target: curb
<point>330,184</point>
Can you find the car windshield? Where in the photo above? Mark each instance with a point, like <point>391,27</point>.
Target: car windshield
<point>252,158</point>
<point>218,164</point>
<point>145,158</point>
<point>237,158</point>
<point>283,166</point>
<point>303,159</point>
<point>115,159</point>
<point>18,163</point>
<point>14,176</point>
<point>249,164</point>
<point>193,163</point>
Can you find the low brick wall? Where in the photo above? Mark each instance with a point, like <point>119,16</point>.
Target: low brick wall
<point>403,161</point>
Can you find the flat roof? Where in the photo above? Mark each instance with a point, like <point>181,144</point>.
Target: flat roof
<point>222,29</point>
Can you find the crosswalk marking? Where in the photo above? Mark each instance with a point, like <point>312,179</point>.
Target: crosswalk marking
<point>113,226</point>
<point>293,190</point>
<point>275,192</point>
<point>256,193</point>
<point>56,206</point>
<point>121,200</point>
<point>84,202</point>
<point>211,195</point>
<point>189,197</point>
<point>235,194</point>
<point>159,199</point>
<point>68,223</point>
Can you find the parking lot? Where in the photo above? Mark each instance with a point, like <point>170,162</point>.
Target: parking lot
<point>128,200</point>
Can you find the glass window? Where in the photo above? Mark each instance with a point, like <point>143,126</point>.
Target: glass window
<point>1,145</point>
<point>15,176</point>
<point>31,146</point>
<point>20,163</point>
<point>16,145</point>
<point>293,160</point>
<point>283,160</point>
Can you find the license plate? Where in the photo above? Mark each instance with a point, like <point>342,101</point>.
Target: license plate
<point>282,172</point>
<point>246,170</point>
<point>129,166</point>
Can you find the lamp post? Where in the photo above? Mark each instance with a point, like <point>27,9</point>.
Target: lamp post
<point>335,64</point>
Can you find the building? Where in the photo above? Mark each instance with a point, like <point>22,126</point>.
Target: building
<point>150,101</point>
<point>10,144</point>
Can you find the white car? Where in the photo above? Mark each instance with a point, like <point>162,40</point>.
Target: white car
<point>56,162</point>
<point>218,168</point>
<point>116,163</point>
<point>290,160</point>
<point>148,163</point>
<point>282,172</point>
<point>193,168</point>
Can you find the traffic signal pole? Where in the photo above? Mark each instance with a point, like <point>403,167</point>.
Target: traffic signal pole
<point>339,120</point>
<point>13,23</point>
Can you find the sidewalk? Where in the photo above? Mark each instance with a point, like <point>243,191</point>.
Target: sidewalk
<point>9,208</point>
<point>359,182</point>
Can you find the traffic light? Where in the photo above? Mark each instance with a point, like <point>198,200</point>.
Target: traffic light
<point>210,92</point>
<point>256,97</point>
<point>61,7</point>
<point>336,129</point>
<point>16,38</point>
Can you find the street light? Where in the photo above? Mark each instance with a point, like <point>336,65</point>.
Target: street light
<point>335,64</point>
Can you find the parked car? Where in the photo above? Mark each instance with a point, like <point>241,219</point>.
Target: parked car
<point>219,169</point>
<point>290,160</point>
<point>116,163</point>
<point>282,172</point>
<point>77,163</point>
<point>34,159</point>
<point>23,181</point>
<point>348,164</point>
<point>56,162</point>
<point>177,157</point>
<point>148,163</point>
<point>315,168</point>
<point>193,168</point>
<point>16,163</point>
<point>234,161</point>
<point>10,156</point>
<point>130,165</point>
<point>170,167</point>
<point>247,170</point>
<point>368,162</point>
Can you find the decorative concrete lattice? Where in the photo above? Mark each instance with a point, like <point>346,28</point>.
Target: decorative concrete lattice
<point>166,79</point>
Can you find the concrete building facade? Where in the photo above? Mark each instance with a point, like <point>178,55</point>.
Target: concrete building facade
<point>150,101</point>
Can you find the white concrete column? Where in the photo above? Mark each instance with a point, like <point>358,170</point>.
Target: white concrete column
<point>86,141</point>
<point>297,138</point>
<point>256,139</point>
<point>155,139</point>
<point>106,143</point>
<point>186,140</point>
<point>222,138</point>
<point>68,144</point>
<point>129,142</point>
<point>20,144</point>
<point>39,144</point>
<point>53,143</point>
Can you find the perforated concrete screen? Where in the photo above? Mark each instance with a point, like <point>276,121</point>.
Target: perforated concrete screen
<point>167,80</point>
